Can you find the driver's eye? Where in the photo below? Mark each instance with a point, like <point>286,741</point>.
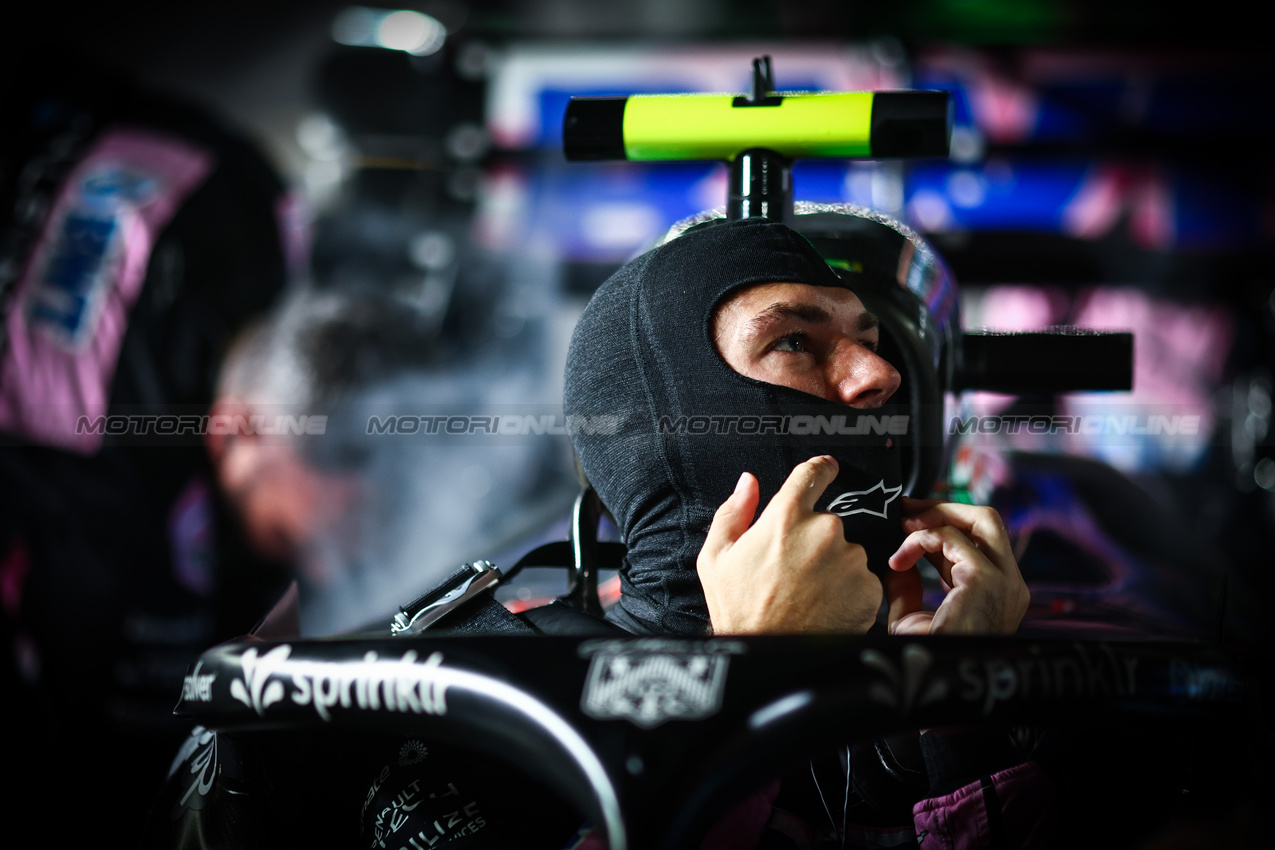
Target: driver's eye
<point>791,342</point>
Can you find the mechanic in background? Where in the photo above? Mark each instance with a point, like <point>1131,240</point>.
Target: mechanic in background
<point>288,443</point>
<point>368,516</point>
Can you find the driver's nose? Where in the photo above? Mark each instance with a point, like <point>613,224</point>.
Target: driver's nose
<point>860,377</point>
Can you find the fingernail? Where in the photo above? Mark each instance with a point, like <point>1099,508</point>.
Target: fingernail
<point>739,485</point>
<point>832,460</point>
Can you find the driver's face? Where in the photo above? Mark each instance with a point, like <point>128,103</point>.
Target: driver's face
<point>819,340</point>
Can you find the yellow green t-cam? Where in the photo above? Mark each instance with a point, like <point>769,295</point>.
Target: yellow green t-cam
<point>801,125</point>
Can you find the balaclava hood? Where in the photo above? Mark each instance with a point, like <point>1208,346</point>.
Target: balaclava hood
<point>683,425</point>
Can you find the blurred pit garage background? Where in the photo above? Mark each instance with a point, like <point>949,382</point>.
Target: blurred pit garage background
<point>1111,168</point>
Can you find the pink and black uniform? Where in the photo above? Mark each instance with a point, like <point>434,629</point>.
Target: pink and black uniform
<point>137,236</point>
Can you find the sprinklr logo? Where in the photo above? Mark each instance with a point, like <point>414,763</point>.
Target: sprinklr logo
<point>875,501</point>
<point>251,690</point>
<point>905,688</point>
<point>368,684</point>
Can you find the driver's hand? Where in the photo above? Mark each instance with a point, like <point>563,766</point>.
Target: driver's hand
<point>793,570</point>
<point>970,548</point>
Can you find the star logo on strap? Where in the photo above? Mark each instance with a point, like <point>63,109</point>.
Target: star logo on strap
<point>875,500</point>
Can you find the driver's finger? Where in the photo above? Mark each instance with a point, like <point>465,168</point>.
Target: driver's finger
<point>733,517</point>
<point>904,593</point>
<point>947,541</point>
<point>807,481</point>
<point>982,525</point>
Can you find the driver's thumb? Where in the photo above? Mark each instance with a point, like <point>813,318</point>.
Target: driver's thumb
<point>733,517</point>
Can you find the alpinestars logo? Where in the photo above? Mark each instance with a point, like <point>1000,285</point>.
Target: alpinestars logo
<point>905,687</point>
<point>875,501</point>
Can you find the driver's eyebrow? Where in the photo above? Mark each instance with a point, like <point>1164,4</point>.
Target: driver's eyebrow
<point>810,313</point>
<point>784,310</point>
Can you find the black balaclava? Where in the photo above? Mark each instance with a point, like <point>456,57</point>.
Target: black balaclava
<point>642,358</point>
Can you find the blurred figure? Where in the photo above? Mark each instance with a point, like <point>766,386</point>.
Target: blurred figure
<point>367,513</point>
<point>286,456</point>
<point>280,373</point>
<point>137,236</point>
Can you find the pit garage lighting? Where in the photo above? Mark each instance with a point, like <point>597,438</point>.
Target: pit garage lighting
<point>402,29</point>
